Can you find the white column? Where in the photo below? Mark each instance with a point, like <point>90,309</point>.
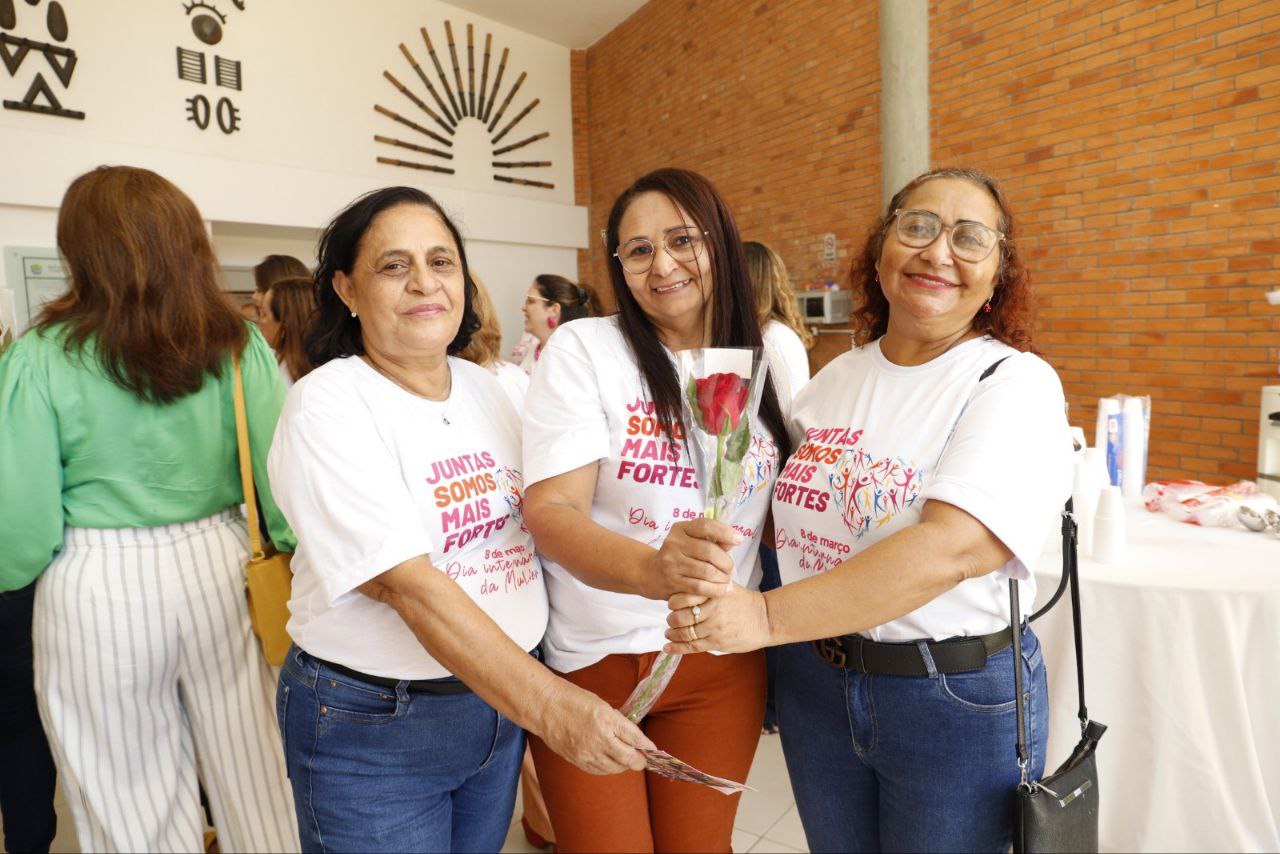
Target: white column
<point>904,93</point>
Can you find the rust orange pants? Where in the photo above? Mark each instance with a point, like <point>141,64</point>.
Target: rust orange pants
<point>709,716</point>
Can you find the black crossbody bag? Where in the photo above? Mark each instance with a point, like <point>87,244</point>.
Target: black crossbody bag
<point>1059,812</point>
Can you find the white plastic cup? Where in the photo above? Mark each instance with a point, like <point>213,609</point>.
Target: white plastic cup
<point>1106,406</point>
<point>1084,504</point>
<point>1134,457</point>
<point>1109,527</point>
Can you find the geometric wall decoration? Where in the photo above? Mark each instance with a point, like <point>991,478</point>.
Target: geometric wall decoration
<point>454,101</point>
<point>61,61</point>
<point>207,24</point>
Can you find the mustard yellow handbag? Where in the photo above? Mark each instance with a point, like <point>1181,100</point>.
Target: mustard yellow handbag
<point>268,581</point>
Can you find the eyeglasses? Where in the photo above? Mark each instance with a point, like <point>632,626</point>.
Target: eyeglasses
<point>532,301</point>
<point>683,243</point>
<point>969,241</point>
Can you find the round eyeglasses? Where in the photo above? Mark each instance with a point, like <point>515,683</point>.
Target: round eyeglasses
<point>969,241</point>
<point>683,243</point>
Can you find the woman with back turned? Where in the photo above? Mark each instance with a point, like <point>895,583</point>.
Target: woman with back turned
<point>116,419</point>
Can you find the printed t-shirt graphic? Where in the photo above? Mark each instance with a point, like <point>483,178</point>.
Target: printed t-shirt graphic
<point>588,404</point>
<point>862,469</point>
<point>375,477</point>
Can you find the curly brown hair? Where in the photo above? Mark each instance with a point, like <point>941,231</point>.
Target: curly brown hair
<point>1012,306</point>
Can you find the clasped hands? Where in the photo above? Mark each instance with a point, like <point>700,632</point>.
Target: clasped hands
<point>693,572</point>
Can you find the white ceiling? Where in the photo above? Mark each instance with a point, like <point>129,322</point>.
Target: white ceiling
<point>572,23</point>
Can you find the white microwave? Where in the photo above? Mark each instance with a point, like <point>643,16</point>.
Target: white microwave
<point>825,306</point>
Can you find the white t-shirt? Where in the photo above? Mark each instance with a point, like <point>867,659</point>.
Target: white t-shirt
<point>514,381</point>
<point>788,361</point>
<point>871,441</point>
<point>285,376</point>
<point>588,403</point>
<point>368,476</point>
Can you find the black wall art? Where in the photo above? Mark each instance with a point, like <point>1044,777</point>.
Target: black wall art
<point>453,101</point>
<point>22,55</point>
<point>207,26</point>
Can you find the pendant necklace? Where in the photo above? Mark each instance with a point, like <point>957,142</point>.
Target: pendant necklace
<point>448,394</point>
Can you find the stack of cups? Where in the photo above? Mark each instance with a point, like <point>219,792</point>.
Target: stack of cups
<point>1108,526</point>
<point>1090,478</point>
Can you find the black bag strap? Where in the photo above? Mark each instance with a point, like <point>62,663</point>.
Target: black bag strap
<point>1070,576</point>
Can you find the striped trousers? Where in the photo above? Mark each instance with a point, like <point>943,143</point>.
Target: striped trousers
<point>148,677</point>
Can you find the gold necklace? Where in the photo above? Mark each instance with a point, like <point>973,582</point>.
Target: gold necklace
<point>448,392</point>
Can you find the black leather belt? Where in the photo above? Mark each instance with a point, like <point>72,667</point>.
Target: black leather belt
<point>447,685</point>
<point>954,655</point>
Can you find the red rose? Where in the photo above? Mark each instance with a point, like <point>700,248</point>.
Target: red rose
<point>720,397</point>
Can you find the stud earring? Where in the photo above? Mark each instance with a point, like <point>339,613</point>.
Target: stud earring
<point>353,314</point>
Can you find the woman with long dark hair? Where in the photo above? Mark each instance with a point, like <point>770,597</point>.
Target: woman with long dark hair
<point>614,507</point>
<point>122,494</point>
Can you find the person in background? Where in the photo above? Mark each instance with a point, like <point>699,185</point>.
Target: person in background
<point>786,340</point>
<point>271,269</point>
<point>931,460</point>
<point>612,530</point>
<point>288,308</point>
<point>27,772</point>
<point>485,349</point>
<point>418,602</point>
<point>122,436</point>
<point>553,301</point>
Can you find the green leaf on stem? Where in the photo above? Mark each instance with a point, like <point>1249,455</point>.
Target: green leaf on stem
<point>739,440</point>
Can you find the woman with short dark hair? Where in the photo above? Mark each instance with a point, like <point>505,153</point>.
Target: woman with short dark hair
<point>122,494</point>
<point>418,601</point>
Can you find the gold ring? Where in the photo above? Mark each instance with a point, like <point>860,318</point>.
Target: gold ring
<point>693,631</point>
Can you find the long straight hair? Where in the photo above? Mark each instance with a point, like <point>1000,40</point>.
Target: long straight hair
<point>293,304</point>
<point>143,285</point>
<point>731,302</point>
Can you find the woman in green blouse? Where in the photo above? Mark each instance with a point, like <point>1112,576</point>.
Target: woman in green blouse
<point>119,491</point>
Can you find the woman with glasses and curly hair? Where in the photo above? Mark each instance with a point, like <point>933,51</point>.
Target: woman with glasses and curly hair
<point>931,460</point>
<point>611,486</point>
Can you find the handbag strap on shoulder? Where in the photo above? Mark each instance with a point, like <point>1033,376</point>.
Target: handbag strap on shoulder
<point>1070,577</point>
<point>246,461</point>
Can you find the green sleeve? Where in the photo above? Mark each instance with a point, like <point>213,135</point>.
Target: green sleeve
<point>263,398</point>
<point>31,517</point>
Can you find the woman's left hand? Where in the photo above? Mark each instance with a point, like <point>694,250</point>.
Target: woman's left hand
<point>737,621</point>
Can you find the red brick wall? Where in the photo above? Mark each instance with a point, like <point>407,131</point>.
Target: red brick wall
<point>1138,142</point>
<point>773,101</point>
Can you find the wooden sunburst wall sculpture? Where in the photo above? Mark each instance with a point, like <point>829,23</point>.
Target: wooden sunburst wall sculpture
<point>458,103</point>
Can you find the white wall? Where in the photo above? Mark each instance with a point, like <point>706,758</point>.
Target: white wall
<point>312,71</point>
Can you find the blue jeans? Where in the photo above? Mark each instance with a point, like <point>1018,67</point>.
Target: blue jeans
<point>907,763</point>
<point>381,769</point>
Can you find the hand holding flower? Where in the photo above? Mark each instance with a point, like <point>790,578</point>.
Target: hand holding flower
<point>694,559</point>
<point>737,621</point>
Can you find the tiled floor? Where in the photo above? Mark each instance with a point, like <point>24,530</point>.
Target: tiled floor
<point>767,819</point>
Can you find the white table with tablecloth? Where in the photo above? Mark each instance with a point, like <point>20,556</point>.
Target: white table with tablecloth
<point>1182,651</point>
